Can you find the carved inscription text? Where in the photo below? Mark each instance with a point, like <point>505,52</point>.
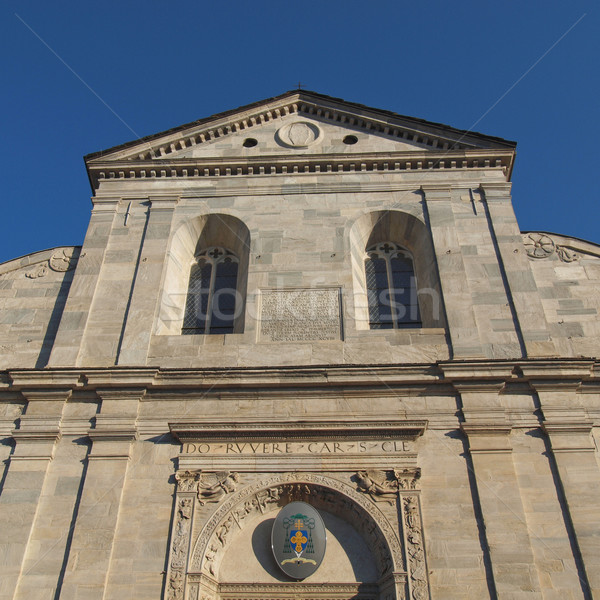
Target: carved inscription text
<point>299,315</point>
<point>365,447</point>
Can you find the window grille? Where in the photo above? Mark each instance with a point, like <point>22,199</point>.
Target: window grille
<point>212,293</point>
<point>391,288</point>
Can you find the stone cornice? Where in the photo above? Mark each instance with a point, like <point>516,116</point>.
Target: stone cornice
<point>446,375</point>
<point>304,430</point>
<point>211,168</point>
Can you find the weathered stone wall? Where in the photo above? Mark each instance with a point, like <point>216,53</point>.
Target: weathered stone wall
<point>33,292</point>
<point>567,272</point>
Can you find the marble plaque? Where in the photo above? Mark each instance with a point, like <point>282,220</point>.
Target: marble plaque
<point>300,315</point>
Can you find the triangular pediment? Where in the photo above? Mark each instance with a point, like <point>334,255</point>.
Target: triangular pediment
<point>298,122</point>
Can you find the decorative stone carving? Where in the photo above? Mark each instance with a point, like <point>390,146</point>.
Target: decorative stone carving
<point>408,479</point>
<point>64,260</point>
<point>300,134</point>
<point>187,481</point>
<point>61,261</point>
<point>213,486</point>
<point>414,548</point>
<point>179,548</point>
<point>541,245</point>
<point>362,591</point>
<point>39,271</point>
<point>320,491</point>
<point>380,485</point>
<point>566,254</point>
<point>538,245</point>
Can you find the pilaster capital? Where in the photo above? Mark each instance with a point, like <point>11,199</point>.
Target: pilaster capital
<point>105,204</point>
<point>574,436</point>
<point>436,191</point>
<point>497,190</point>
<point>61,394</point>
<point>488,438</point>
<point>163,203</point>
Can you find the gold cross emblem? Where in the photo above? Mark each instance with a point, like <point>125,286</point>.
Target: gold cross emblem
<point>299,538</point>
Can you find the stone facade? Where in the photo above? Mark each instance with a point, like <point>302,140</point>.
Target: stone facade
<point>452,452</point>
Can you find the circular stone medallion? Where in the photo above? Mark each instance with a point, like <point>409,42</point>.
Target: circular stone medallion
<point>298,540</point>
<point>300,134</point>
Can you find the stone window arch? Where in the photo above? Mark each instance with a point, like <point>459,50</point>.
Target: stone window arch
<point>213,300</point>
<point>208,252</point>
<point>391,287</point>
<point>409,240</point>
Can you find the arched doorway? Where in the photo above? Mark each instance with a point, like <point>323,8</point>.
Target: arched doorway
<point>231,558</point>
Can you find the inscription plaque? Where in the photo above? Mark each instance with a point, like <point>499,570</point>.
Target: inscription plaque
<point>300,315</point>
<point>306,447</point>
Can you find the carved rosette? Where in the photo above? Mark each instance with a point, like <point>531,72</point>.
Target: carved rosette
<point>415,548</point>
<point>540,245</point>
<point>64,260</point>
<point>61,261</point>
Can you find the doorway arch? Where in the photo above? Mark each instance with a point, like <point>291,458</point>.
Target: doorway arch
<point>355,523</point>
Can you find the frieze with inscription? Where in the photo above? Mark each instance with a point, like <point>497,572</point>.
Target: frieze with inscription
<point>308,447</point>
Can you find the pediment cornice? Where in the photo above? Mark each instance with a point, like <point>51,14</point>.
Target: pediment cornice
<point>432,137</point>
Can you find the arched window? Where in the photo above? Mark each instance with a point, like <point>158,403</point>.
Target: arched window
<point>212,297</point>
<point>391,287</point>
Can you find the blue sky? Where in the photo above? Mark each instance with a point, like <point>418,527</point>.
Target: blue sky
<point>79,77</point>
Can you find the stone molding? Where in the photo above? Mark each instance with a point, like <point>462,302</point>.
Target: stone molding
<point>303,430</point>
<point>190,169</point>
<point>156,380</point>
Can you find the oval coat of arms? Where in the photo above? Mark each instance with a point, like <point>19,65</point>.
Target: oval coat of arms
<point>298,540</point>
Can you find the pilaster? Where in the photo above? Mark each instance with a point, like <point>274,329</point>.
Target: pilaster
<point>52,528</point>
<point>146,294</point>
<point>462,325</point>
<point>112,297</point>
<point>35,440</point>
<point>75,316</point>
<point>89,561</point>
<point>569,432</point>
<point>488,433</point>
<point>524,296</point>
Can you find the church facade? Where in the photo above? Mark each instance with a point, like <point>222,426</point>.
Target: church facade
<point>303,300</point>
